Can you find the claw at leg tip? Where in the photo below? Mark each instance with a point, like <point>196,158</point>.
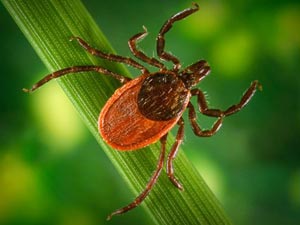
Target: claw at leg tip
<point>145,29</point>
<point>195,4</point>
<point>72,38</point>
<point>260,87</point>
<point>180,187</point>
<point>26,90</point>
<point>109,217</point>
<point>177,185</point>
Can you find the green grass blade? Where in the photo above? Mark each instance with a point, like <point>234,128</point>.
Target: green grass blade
<point>48,25</point>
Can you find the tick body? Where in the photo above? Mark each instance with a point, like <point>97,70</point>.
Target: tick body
<point>143,110</point>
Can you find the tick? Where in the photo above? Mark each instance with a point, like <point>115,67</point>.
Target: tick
<point>143,110</point>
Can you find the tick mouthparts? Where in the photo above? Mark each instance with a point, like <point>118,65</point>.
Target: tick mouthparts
<point>205,69</point>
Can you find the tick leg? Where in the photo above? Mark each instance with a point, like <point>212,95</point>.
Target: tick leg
<point>109,56</point>
<point>160,41</point>
<point>139,54</point>
<point>217,112</point>
<point>173,152</point>
<point>150,184</point>
<point>245,98</point>
<point>230,110</point>
<point>77,69</point>
<point>197,130</point>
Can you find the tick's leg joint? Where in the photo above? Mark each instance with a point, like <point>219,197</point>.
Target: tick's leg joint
<point>220,114</point>
<point>173,152</point>
<point>196,128</point>
<point>132,43</point>
<point>110,56</point>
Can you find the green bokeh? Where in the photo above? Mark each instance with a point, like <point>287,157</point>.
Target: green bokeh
<point>53,172</point>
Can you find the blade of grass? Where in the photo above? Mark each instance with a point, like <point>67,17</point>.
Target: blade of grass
<point>48,25</point>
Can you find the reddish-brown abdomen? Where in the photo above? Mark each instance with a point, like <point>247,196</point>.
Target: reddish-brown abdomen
<point>121,124</point>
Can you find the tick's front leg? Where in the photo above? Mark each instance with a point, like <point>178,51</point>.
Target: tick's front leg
<point>109,56</point>
<point>139,54</point>
<point>76,69</point>
<point>230,110</point>
<point>160,40</point>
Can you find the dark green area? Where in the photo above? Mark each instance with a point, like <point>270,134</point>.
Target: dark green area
<point>252,164</point>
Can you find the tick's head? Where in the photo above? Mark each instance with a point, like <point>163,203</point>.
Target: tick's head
<point>194,73</point>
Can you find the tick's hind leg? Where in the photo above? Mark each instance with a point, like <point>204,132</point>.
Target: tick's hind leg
<point>77,69</point>
<point>139,199</point>
<point>165,28</point>
<point>109,56</point>
<point>139,54</point>
<point>173,152</point>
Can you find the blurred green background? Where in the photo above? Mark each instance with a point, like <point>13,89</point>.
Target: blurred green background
<point>52,171</point>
